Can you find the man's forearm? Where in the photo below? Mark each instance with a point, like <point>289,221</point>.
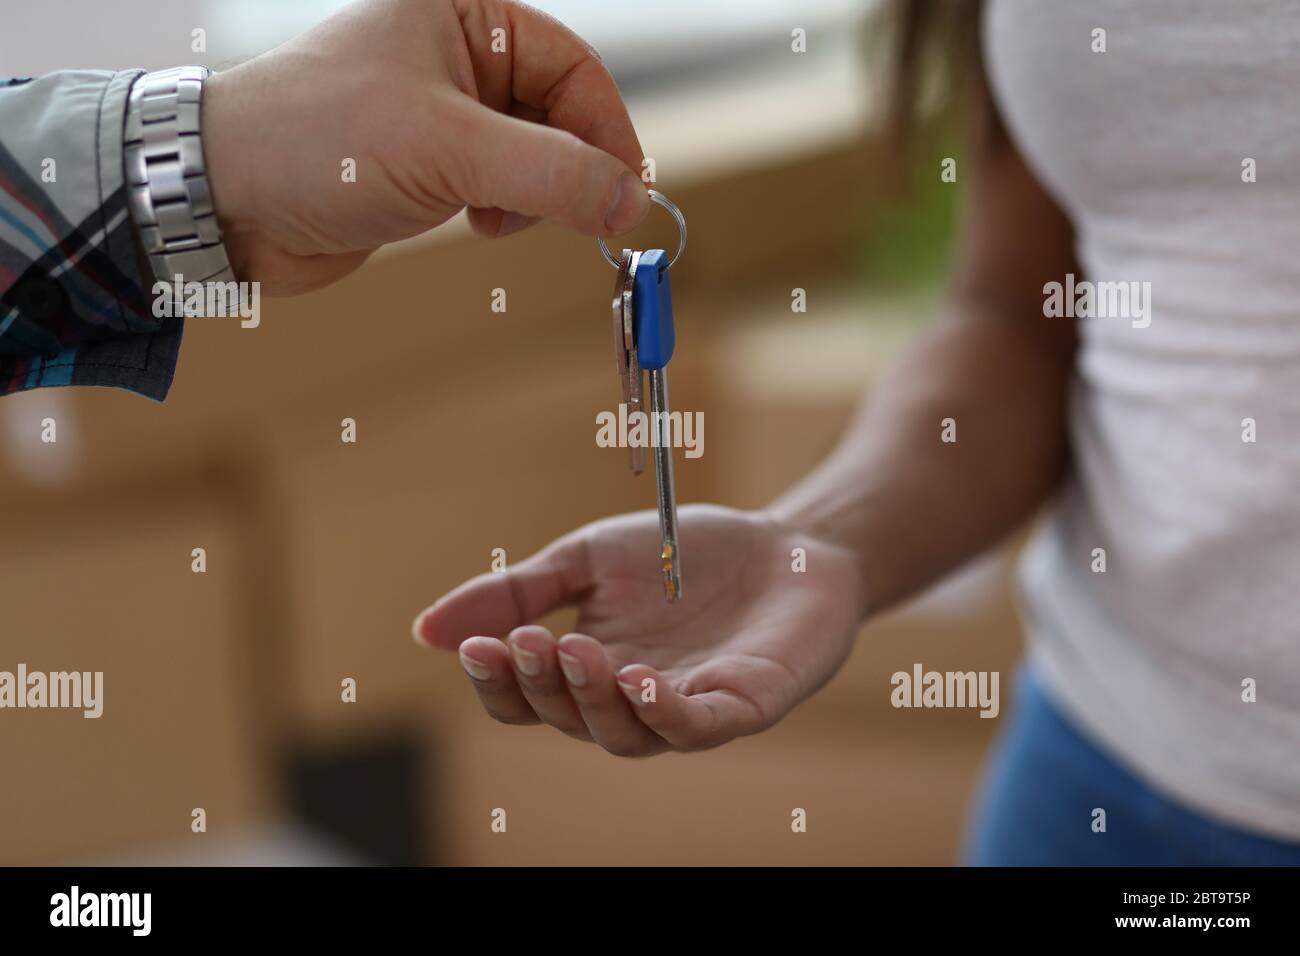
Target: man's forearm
<point>913,505</point>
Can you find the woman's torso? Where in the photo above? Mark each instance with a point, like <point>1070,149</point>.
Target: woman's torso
<point>1176,154</point>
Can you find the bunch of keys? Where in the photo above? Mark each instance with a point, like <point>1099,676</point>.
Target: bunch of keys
<point>644,340</point>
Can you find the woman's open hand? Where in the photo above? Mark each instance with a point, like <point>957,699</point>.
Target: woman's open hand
<point>750,638</point>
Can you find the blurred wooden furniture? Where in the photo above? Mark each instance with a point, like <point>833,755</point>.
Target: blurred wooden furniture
<point>475,431</point>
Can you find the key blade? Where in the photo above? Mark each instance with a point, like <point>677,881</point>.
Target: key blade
<point>661,431</point>
<point>632,379</point>
<point>629,286</point>
<point>635,403</point>
<point>668,562</point>
<point>620,344</point>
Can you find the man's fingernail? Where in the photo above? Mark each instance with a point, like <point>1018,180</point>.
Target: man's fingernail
<point>415,630</point>
<point>632,690</point>
<point>529,664</point>
<point>475,669</point>
<point>628,205</point>
<point>574,672</point>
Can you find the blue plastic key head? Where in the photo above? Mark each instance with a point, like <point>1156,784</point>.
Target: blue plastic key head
<point>652,311</point>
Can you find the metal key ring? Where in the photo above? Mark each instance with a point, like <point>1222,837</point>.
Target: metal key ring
<point>662,200</point>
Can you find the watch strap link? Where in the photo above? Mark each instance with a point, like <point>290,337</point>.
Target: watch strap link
<point>167,183</point>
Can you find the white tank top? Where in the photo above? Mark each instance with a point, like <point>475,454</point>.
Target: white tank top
<point>1186,431</point>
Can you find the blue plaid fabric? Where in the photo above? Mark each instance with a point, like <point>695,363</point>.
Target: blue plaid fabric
<point>75,307</point>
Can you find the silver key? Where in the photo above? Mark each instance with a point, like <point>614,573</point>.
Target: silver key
<point>661,431</point>
<point>625,352</point>
<point>632,395</point>
<point>629,371</point>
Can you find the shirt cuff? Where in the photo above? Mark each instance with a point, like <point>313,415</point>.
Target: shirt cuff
<point>79,312</point>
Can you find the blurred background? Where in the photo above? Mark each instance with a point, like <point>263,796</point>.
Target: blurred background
<point>475,431</point>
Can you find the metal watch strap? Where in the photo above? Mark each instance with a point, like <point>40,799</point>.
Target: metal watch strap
<point>167,183</point>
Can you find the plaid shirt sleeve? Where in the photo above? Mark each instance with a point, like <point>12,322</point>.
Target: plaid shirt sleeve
<point>74,306</point>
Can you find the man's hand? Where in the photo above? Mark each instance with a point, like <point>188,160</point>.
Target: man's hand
<point>435,120</point>
<point>750,638</point>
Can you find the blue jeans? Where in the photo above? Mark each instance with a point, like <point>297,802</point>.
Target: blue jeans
<point>1042,782</point>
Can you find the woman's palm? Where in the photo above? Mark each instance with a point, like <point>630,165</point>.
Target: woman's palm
<point>766,615</point>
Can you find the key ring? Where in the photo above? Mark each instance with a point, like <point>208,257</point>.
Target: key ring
<point>662,200</point>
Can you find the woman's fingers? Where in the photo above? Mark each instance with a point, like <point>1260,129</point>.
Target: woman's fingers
<point>694,722</point>
<point>537,671</point>
<point>497,603</point>
<point>604,709</point>
<point>531,678</point>
<point>487,662</point>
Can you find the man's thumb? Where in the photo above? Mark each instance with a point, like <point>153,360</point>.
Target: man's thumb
<point>536,170</point>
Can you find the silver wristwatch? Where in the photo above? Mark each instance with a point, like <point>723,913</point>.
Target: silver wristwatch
<point>167,182</point>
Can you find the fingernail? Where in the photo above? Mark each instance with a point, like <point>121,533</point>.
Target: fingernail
<point>475,669</point>
<point>529,664</point>
<point>574,672</point>
<point>415,630</point>
<point>628,205</point>
<point>633,691</point>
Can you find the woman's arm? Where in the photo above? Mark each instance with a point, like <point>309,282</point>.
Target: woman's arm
<point>909,504</point>
<point>890,511</point>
